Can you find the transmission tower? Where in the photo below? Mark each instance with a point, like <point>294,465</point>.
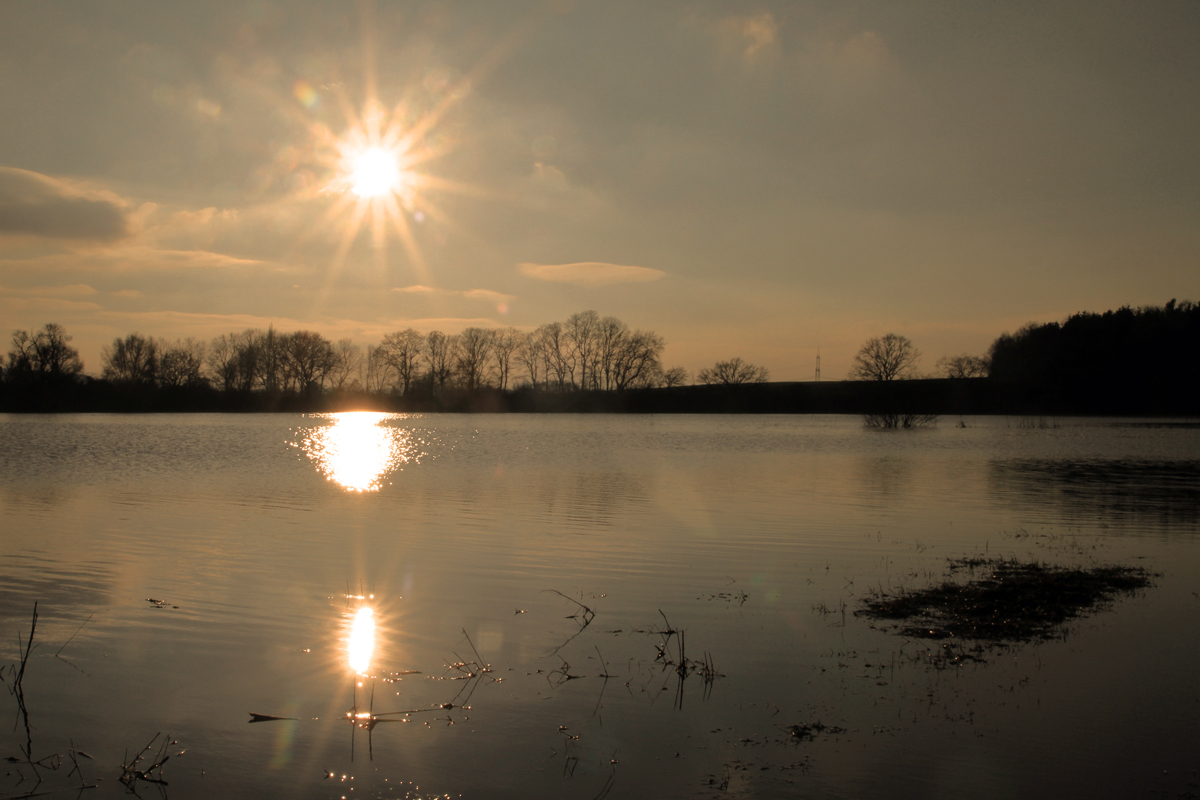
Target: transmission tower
<point>818,363</point>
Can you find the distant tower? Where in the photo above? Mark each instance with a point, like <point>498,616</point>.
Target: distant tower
<point>818,363</point>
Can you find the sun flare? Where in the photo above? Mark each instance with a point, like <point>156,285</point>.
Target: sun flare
<point>375,173</point>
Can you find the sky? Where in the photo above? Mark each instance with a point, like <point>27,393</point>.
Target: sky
<point>750,179</point>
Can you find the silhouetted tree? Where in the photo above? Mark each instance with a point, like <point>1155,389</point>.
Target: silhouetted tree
<point>307,359</point>
<point>180,363</point>
<point>532,356</point>
<point>557,354</point>
<point>270,359</point>
<point>43,354</point>
<point>580,333</point>
<point>1069,366</point>
<point>471,357</point>
<point>132,360</point>
<point>232,360</point>
<point>885,358</point>
<point>630,359</point>
<point>400,354</point>
<point>506,346</point>
<point>347,364</point>
<point>377,369</point>
<point>962,366</point>
<point>732,373</point>
<point>439,355</point>
<point>675,376</point>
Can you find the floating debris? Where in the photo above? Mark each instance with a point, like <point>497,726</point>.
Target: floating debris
<point>806,733</point>
<point>266,717</point>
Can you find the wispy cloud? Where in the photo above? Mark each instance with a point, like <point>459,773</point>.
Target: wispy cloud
<point>590,273</point>
<point>135,258</point>
<point>33,204</point>
<point>486,295</point>
<point>72,290</point>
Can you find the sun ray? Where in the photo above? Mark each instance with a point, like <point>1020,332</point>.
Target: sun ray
<point>372,166</point>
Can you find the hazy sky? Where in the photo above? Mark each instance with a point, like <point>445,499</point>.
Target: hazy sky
<point>747,179</point>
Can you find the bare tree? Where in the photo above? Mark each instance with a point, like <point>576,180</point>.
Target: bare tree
<point>222,361</point>
<point>506,346</point>
<point>133,359</point>
<point>377,369</point>
<point>559,360</point>
<point>612,336</point>
<point>45,353</point>
<point>400,353</point>
<point>472,356</point>
<point>733,373</point>
<point>180,363</point>
<point>581,335</point>
<point>439,356</point>
<point>675,376</point>
<point>532,356</point>
<point>634,359</point>
<point>963,366</point>
<point>272,360</point>
<point>307,359</point>
<point>886,358</point>
<point>347,364</point>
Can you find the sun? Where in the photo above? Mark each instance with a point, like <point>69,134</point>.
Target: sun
<point>375,173</point>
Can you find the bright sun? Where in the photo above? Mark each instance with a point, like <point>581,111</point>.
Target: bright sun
<point>375,173</point>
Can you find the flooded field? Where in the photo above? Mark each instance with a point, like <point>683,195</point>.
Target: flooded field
<point>370,605</point>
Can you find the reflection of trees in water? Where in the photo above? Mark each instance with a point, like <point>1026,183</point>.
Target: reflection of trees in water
<point>1165,493</point>
<point>884,479</point>
<point>592,498</point>
<point>62,589</point>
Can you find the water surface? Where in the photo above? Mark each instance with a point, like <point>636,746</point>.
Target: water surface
<point>217,565</point>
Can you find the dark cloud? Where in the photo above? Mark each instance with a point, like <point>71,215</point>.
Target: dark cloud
<point>31,203</point>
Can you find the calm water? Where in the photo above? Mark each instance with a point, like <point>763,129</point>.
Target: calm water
<point>217,564</point>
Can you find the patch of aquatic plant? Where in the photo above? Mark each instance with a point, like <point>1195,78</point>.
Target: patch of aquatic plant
<point>1003,600</point>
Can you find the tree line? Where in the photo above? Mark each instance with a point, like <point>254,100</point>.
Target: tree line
<point>586,352</point>
<point>1132,360</point>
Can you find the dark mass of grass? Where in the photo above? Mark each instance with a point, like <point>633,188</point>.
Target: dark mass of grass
<point>1012,601</point>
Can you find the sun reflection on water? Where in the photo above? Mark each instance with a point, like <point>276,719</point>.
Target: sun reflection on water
<point>361,644</point>
<point>358,451</point>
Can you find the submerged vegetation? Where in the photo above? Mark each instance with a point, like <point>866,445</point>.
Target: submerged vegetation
<point>1003,601</point>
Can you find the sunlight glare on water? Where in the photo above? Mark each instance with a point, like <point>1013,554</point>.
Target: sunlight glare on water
<point>361,646</point>
<point>358,451</point>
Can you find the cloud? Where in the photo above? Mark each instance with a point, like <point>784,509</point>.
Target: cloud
<point>550,177</point>
<point>590,273</point>
<point>489,296</point>
<point>131,259</point>
<point>73,290</point>
<point>37,205</point>
<point>747,35</point>
<point>43,305</point>
<point>471,294</point>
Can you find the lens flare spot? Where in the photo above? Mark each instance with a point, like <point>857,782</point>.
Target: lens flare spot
<point>304,92</point>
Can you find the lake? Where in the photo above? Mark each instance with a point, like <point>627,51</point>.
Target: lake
<point>535,582</point>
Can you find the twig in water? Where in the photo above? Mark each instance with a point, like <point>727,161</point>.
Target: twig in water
<point>73,635</point>
<point>131,773</point>
<point>585,615</point>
